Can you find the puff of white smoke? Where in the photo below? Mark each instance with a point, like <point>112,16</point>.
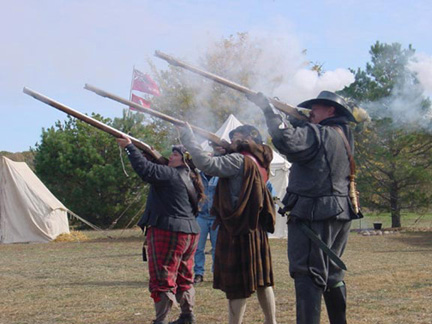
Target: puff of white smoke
<point>421,65</point>
<point>306,84</point>
<point>404,107</point>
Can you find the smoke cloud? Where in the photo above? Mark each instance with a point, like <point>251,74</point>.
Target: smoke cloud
<point>306,83</point>
<point>406,105</point>
<point>421,65</point>
<point>276,64</point>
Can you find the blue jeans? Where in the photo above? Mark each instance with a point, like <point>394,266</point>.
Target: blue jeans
<point>206,228</point>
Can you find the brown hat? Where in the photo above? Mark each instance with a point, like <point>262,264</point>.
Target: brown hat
<point>187,158</point>
<point>330,99</point>
<point>247,130</point>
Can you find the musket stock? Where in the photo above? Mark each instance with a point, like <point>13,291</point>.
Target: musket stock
<point>148,150</point>
<point>288,109</point>
<point>200,131</point>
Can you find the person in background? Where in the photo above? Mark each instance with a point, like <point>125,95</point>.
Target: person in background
<point>172,229</point>
<point>206,220</point>
<point>271,189</point>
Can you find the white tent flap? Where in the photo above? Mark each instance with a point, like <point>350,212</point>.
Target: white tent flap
<point>29,212</point>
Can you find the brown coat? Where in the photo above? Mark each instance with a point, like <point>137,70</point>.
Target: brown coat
<point>242,255</point>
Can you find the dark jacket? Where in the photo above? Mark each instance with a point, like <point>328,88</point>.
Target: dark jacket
<point>168,205</point>
<point>318,182</point>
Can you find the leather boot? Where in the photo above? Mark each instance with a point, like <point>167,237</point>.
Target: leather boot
<point>308,300</point>
<point>335,299</point>
<point>186,299</point>
<point>185,319</point>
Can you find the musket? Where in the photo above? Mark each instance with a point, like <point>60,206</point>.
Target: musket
<point>150,152</point>
<point>284,107</point>
<point>200,131</point>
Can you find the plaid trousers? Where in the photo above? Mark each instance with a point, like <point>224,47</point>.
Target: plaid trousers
<point>170,261</point>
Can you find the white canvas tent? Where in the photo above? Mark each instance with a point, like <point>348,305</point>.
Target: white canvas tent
<point>29,212</point>
<point>279,171</point>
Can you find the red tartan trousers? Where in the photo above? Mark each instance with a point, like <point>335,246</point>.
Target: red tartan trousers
<point>170,261</point>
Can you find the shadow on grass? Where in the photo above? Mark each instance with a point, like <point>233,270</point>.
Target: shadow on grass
<point>113,256</point>
<point>422,240</point>
<point>114,239</point>
<point>136,284</point>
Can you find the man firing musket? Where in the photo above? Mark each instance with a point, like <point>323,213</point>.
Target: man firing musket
<point>321,200</point>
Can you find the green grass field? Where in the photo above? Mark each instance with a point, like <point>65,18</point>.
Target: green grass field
<point>104,280</point>
<point>408,220</point>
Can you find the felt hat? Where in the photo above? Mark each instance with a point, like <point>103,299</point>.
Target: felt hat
<point>330,99</point>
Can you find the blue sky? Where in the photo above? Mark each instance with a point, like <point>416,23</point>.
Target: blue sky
<point>55,47</point>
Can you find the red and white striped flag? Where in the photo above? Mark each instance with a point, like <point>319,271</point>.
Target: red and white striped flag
<point>140,101</point>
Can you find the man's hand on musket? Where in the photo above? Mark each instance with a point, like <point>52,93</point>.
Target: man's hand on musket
<point>217,149</point>
<point>123,141</point>
<point>260,100</point>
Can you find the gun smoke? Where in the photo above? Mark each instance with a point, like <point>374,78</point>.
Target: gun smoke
<point>276,65</point>
<point>406,105</point>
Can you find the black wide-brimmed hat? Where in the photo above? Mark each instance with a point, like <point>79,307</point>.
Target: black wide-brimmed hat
<point>331,99</point>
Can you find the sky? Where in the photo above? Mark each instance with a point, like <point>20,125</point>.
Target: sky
<point>56,46</point>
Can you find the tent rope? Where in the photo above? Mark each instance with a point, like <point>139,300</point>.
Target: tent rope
<point>84,221</point>
<point>122,162</point>
<point>124,211</point>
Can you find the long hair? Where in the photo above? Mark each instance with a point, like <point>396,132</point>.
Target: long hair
<point>193,171</point>
<point>197,182</point>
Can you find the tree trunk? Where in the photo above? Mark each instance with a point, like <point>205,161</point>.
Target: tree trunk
<point>394,205</point>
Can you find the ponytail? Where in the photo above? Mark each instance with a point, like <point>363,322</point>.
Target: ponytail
<point>197,182</point>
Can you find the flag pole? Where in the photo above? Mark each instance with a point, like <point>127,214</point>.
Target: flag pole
<point>130,91</point>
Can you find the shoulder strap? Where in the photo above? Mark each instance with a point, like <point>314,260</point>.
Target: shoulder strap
<point>261,169</point>
<point>192,194</point>
<point>353,193</point>
<point>348,149</point>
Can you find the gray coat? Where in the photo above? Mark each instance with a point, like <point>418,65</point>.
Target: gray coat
<point>226,166</point>
<point>318,182</point>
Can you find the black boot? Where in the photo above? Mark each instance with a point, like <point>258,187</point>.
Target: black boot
<point>185,319</point>
<point>335,299</point>
<point>308,301</point>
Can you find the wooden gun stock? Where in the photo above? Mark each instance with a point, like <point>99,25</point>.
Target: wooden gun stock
<point>200,131</point>
<point>150,152</point>
<point>288,109</point>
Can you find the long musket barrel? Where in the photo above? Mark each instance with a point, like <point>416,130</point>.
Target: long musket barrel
<point>288,109</point>
<point>95,123</point>
<point>200,131</point>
